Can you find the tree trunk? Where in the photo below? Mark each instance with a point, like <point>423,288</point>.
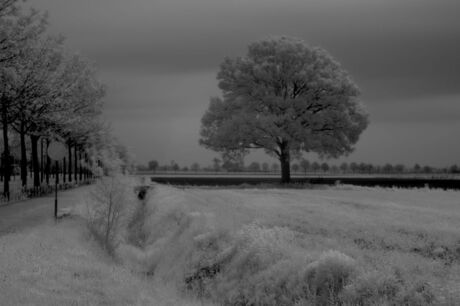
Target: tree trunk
<point>285,170</point>
<point>35,164</point>
<point>48,164</point>
<point>81,166</point>
<point>69,146</point>
<point>285,160</point>
<point>6,152</point>
<point>64,170</point>
<point>23,156</point>
<point>87,166</point>
<point>75,172</point>
<point>42,162</point>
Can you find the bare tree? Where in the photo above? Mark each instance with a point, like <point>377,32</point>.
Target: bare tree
<point>108,201</point>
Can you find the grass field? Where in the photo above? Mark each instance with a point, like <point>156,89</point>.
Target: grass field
<point>338,245</point>
<point>401,247</point>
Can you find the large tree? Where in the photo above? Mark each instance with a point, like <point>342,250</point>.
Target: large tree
<point>286,98</point>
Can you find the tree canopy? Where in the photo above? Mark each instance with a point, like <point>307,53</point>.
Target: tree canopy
<point>48,93</point>
<point>286,98</point>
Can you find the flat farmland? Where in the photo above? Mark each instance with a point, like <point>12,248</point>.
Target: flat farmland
<point>404,236</point>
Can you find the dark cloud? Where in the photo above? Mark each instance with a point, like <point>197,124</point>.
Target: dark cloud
<point>429,110</point>
<point>159,59</point>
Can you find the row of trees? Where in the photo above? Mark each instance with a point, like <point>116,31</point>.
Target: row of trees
<point>363,168</point>
<point>303,166</point>
<point>47,93</point>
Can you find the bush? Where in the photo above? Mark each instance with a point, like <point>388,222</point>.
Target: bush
<point>420,293</point>
<point>280,284</point>
<point>372,288</point>
<point>108,202</point>
<point>383,288</point>
<point>327,276</point>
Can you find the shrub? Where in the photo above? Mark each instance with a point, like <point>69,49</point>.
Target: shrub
<point>327,276</point>
<point>108,201</point>
<point>372,288</point>
<point>419,293</point>
<point>280,284</point>
<point>383,288</point>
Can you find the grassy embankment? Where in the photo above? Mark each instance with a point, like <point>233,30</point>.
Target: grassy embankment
<point>337,246</point>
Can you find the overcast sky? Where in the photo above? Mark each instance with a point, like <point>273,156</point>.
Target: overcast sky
<point>159,59</point>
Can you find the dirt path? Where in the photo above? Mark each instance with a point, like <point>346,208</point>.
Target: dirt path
<point>26,214</point>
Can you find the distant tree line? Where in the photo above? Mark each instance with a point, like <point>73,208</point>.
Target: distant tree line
<point>48,94</point>
<point>303,166</point>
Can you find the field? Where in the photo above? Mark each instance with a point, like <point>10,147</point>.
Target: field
<point>337,245</point>
<point>237,246</point>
